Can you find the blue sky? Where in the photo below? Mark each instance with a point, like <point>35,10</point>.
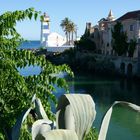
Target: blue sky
<point>79,11</point>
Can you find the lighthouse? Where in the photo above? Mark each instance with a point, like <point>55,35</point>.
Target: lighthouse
<point>45,31</point>
<point>50,39</point>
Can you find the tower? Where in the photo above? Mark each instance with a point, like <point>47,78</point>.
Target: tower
<point>88,29</point>
<point>110,16</point>
<point>45,31</point>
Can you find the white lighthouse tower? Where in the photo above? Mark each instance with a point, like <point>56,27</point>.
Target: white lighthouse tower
<point>45,31</point>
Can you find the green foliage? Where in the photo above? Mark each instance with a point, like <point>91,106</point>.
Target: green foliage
<point>16,90</point>
<point>1,136</point>
<point>119,41</point>
<point>85,44</point>
<point>92,135</point>
<point>131,47</point>
<point>85,62</point>
<point>71,52</point>
<point>25,130</point>
<point>105,67</point>
<point>87,33</point>
<point>69,28</point>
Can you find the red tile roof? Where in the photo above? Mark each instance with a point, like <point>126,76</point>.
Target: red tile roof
<point>130,15</point>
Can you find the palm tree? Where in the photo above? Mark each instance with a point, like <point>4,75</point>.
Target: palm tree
<point>75,32</point>
<point>69,28</point>
<point>64,24</point>
<point>72,29</point>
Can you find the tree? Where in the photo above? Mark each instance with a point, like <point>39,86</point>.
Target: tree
<point>72,29</point>
<point>87,33</point>
<point>85,42</point>
<point>64,24</point>
<point>69,28</point>
<point>75,31</point>
<point>16,90</point>
<point>131,47</point>
<point>119,40</point>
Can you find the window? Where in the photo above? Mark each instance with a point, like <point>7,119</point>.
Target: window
<point>131,27</point>
<point>122,28</point>
<point>139,40</point>
<point>107,45</point>
<point>102,42</point>
<point>107,53</point>
<point>45,26</point>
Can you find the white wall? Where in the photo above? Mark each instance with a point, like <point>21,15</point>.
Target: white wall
<point>54,39</point>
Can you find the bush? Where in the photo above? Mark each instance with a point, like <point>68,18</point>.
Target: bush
<point>105,67</point>
<point>92,135</point>
<point>85,44</point>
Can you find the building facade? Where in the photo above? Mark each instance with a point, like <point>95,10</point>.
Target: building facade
<point>131,25</point>
<point>56,40</point>
<point>105,26</point>
<point>50,39</point>
<point>102,34</point>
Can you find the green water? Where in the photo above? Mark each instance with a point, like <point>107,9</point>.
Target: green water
<point>125,123</point>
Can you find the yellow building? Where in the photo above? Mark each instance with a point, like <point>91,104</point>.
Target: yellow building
<point>102,35</point>
<point>131,25</point>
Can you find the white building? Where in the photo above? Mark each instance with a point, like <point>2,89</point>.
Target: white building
<point>56,40</point>
<point>50,39</point>
<point>45,31</point>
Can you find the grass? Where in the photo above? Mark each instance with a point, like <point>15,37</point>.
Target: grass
<point>92,135</point>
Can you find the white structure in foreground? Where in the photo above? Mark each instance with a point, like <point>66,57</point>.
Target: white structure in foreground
<point>52,41</point>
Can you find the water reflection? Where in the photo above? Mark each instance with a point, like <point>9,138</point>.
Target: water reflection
<point>125,124</point>
<point>108,90</point>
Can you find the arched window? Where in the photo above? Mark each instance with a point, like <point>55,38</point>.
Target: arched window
<point>129,70</point>
<point>122,68</point>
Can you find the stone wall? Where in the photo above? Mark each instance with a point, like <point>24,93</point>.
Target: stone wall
<point>123,65</point>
